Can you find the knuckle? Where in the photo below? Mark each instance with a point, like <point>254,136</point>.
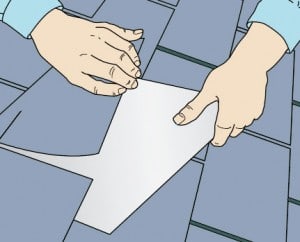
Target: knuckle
<point>189,107</point>
<point>95,90</point>
<point>112,71</point>
<point>222,124</point>
<point>130,47</point>
<point>128,84</point>
<point>122,56</point>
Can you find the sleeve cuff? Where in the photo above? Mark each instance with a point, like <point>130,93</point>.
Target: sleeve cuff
<point>283,16</point>
<point>23,16</point>
<point>3,5</point>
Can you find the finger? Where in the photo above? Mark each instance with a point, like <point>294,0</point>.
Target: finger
<point>119,58</point>
<point>223,126</point>
<point>258,114</point>
<point>236,131</point>
<point>98,87</point>
<point>96,67</point>
<point>249,122</point>
<point>125,47</point>
<point>126,34</point>
<point>221,135</point>
<point>193,109</point>
<point>121,44</point>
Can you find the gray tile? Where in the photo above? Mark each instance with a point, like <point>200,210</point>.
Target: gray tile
<point>202,153</point>
<point>87,7</point>
<point>276,119</point>
<point>7,95</point>
<point>237,38</point>
<point>293,223</point>
<point>164,217</point>
<point>172,70</point>
<point>172,2</point>
<point>297,75</point>
<point>208,36</point>
<point>58,118</point>
<point>197,234</point>
<point>247,10</point>
<point>38,202</point>
<point>295,156</point>
<point>244,189</point>
<point>147,15</point>
<point>19,62</point>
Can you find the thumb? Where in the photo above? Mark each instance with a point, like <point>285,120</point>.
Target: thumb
<point>193,109</point>
<point>126,34</point>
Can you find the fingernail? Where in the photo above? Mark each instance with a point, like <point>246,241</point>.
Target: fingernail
<point>179,118</point>
<point>122,90</point>
<point>134,85</point>
<point>138,31</point>
<point>138,74</point>
<point>216,143</point>
<point>137,63</point>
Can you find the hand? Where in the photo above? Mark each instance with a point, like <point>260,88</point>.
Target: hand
<point>239,85</point>
<point>240,91</point>
<point>79,49</point>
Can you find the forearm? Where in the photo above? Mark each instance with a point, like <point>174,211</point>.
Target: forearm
<point>261,48</point>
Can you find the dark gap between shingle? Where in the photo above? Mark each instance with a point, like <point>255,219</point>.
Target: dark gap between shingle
<point>185,57</point>
<point>294,201</point>
<point>218,231</point>
<point>296,103</point>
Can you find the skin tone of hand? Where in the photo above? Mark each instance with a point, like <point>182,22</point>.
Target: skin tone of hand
<point>79,49</point>
<point>239,85</point>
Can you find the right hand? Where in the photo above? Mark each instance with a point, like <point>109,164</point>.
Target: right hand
<point>239,85</point>
<point>240,92</point>
<point>79,49</point>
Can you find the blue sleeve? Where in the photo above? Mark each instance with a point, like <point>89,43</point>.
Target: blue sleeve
<point>283,16</point>
<point>24,15</point>
<point>3,5</point>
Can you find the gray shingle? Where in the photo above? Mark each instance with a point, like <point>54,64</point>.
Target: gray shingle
<point>87,7</point>
<point>172,70</point>
<point>297,75</point>
<point>172,2</point>
<point>203,36</point>
<point>295,156</point>
<point>237,38</point>
<point>244,189</point>
<point>19,62</point>
<point>38,202</point>
<point>58,118</point>
<point>247,10</point>
<point>7,95</point>
<point>293,223</point>
<point>202,154</point>
<point>197,234</point>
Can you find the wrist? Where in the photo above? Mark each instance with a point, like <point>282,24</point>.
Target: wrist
<point>51,20</point>
<point>261,48</point>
